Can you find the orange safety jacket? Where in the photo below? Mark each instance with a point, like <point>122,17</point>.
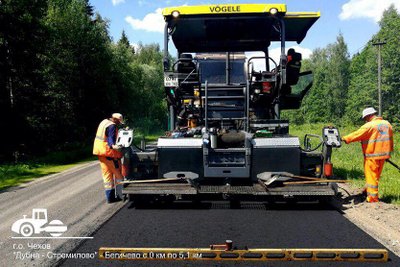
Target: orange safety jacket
<point>101,147</point>
<point>376,138</point>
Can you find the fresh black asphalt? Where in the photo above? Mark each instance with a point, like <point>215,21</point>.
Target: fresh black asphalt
<point>253,225</point>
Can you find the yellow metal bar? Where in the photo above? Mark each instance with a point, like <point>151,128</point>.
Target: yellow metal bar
<point>152,181</point>
<point>224,9</point>
<point>287,254</point>
<point>316,181</point>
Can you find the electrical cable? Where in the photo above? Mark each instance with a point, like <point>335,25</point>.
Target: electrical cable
<point>145,150</point>
<point>317,147</point>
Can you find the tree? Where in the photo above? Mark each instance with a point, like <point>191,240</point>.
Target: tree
<point>60,74</point>
<point>338,78</point>
<point>22,38</point>
<point>78,65</point>
<point>152,113</point>
<point>390,23</point>
<point>326,100</point>
<point>362,89</point>
<point>363,82</point>
<point>124,40</point>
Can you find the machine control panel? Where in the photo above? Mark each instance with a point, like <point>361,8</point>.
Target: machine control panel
<point>331,136</point>
<point>125,138</point>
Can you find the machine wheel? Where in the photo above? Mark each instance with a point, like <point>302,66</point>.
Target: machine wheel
<point>26,229</point>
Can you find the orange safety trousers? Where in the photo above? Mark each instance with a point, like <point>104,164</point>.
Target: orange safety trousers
<point>373,169</point>
<point>111,176</point>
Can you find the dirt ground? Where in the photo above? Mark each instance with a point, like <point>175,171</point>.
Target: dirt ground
<point>380,220</point>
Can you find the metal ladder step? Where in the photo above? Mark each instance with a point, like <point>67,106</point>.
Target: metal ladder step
<point>224,97</point>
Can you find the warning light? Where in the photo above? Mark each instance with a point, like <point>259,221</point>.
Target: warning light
<point>273,11</point>
<point>175,14</point>
<point>266,87</point>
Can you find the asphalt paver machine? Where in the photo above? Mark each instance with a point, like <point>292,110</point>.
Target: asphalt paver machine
<point>226,137</point>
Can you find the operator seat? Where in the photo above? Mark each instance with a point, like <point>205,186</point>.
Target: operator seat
<point>187,75</point>
<point>293,67</point>
<point>185,64</point>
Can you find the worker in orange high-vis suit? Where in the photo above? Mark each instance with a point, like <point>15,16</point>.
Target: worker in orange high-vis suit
<point>109,156</point>
<point>376,137</point>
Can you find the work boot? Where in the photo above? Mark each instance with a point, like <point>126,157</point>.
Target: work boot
<point>110,195</point>
<point>372,199</point>
<point>111,198</point>
<point>118,191</point>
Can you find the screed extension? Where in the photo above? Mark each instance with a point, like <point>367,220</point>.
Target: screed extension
<point>226,253</point>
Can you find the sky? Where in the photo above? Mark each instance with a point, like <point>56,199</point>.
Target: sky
<point>357,20</point>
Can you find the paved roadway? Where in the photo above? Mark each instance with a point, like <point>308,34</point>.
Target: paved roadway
<point>74,197</point>
<point>253,225</point>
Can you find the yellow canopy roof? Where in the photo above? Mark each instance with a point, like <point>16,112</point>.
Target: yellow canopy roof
<point>234,27</point>
<point>224,9</point>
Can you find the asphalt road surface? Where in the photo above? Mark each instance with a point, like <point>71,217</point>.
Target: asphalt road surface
<point>253,225</point>
<point>75,197</point>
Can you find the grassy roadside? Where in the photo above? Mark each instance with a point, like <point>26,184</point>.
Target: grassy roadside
<point>16,174</point>
<point>52,163</point>
<point>348,162</point>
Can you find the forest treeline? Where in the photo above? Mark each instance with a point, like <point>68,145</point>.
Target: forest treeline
<point>344,85</point>
<point>61,74</point>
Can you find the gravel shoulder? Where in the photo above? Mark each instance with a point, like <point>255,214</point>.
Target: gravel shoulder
<point>380,220</point>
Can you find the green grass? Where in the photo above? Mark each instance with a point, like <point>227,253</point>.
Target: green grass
<point>348,161</point>
<point>12,175</point>
<point>149,137</point>
<point>54,162</point>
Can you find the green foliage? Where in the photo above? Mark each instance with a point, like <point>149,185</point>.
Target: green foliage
<point>343,87</point>
<point>326,100</point>
<point>390,24</point>
<point>363,85</point>
<point>22,32</point>
<point>124,40</point>
<point>13,175</point>
<point>60,75</point>
<point>362,90</point>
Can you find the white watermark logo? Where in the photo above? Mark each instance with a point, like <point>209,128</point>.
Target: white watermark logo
<point>38,224</point>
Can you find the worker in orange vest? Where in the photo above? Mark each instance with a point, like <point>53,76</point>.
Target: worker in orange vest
<point>376,137</point>
<point>109,156</point>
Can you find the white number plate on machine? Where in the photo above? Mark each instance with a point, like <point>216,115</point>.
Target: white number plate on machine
<point>170,81</point>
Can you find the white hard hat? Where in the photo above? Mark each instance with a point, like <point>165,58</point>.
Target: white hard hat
<point>118,116</point>
<point>368,111</point>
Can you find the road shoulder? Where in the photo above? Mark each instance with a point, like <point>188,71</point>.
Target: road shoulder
<point>380,220</point>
